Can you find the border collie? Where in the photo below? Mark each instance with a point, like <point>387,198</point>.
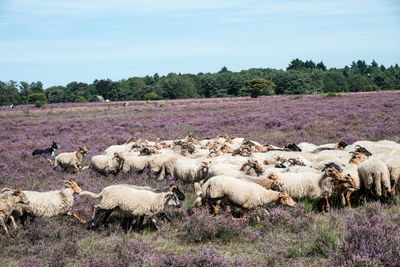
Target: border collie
<point>46,151</point>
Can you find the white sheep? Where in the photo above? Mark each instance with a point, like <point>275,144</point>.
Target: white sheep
<point>49,204</point>
<point>393,165</point>
<point>132,201</point>
<point>126,147</point>
<point>236,192</point>
<point>191,170</point>
<point>70,161</point>
<point>106,164</point>
<point>374,171</point>
<point>135,163</point>
<point>9,200</point>
<point>163,163</point>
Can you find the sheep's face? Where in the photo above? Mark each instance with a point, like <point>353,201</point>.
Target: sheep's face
<point>357,158</point>
<point>74,186</point>
<point>83,150</point>
<point>257,167</point>
<point>350,181</point>
<point>131,140</point>
<point>273,177</point>
<point>284,199</point>
<point>178,193</point>
<point>119,155</point>
<point>172,200</point>
<point>205,166</point>
<point>332,172</point>
<point>21,197</point>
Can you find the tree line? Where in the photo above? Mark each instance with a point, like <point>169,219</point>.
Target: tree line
<point>300,77</point>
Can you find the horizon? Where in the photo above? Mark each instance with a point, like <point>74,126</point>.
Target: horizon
<point>58,43</point>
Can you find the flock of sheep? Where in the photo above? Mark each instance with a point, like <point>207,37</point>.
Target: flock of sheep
<point>227,172</point>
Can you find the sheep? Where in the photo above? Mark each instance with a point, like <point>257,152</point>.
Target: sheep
<point>8,202</point>
<point>308,184</point>
<point>126,147</point>
<point>132,201</point>
<point>393,165</point>
<point>135,163</point>
<point>268,182</point>
<point>246,195</point>
<point>374,171</point>
<point>49,204</point>
<point>71,160</point>
<point>105,164</point>
<point>191,170</point>
<point>163,164</point>
<point>307,147</point>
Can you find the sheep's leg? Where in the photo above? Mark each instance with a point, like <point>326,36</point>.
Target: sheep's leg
<point>105,218</point>
<point>327,206</point>
<point>394,189</point>
<point>161,176</point>
<point>13,222</point>
<point>95,217</point>
<point>155,223</point>
<point>73,214</point>
<point>215,208</point>
<point>348,199</point>
<point>4,226</point>
<point>243,217</point>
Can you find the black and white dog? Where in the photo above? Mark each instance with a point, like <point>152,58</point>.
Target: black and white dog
<point>46,151</point>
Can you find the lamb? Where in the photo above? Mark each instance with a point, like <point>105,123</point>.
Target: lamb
<point>49,204</point>
<point>191,170</point>
<point>245,195</point>
<point>132,201</point>
<point>105,164</point>
<point>70,161</point>
<point>8,202</point>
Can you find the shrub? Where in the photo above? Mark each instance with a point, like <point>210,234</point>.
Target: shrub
<point>201,226</point>
<point>372,239</point>
<point>80,99</point>
<point>151,96</point>
<point>332,94</point>
<point>39,99</point>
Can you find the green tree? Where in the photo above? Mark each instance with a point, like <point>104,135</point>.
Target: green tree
<point>258,86</point>
<point>80,99</point>
<point>39,99</point>
<point>55,94</point>
<point>151,96</point>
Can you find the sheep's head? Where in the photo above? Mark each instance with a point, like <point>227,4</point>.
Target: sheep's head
<point>332,172</point>
<point>363,150</point>
<point>293,147</point>
<point>204,168</point>
<point>72,185</point>
<point>131,140</point>
<point>118,155</point>
<point>341,145</point>
<point>20,196</point>
<point>332,165</point>
<point>172,200</point>
<point>145,152</point>
<point>178,193</point>
<point>277,184</point>
<point>286,200</point>
<point>261,149</point>
<point>83,150</point>
<point>257,166</point>
<point>226,149</point>
<point>357,158</point>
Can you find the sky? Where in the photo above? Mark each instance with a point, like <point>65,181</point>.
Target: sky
<point>57,42</point>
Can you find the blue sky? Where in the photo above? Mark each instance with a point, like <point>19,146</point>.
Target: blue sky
<point>57,42</point>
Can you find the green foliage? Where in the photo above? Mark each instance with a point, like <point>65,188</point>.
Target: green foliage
<point>332,94</point>
<point>151,96</point>
<point>258,86</point>
<point>301,77</point>
<point>80,99</point>
<point>39,99</point>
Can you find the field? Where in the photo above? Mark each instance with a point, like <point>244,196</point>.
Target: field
<point>368,235</point>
